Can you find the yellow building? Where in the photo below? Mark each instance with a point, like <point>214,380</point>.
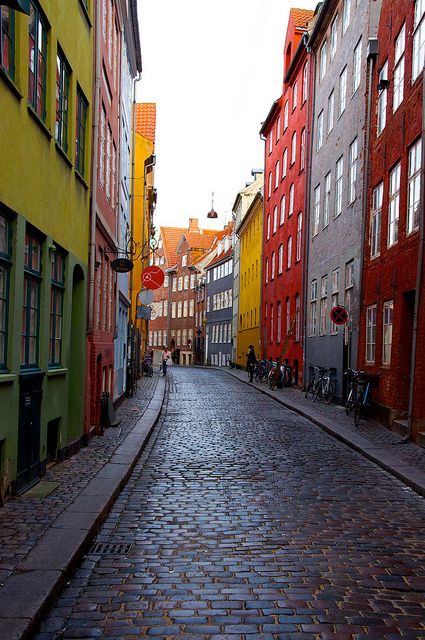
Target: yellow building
<point>250,234</point>
<point>45,158</point>
<point>142,212</point>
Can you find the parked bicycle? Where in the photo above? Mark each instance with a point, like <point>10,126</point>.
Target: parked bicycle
<point>358,399</point>
<point>147,367</point>
<point>326,385</point>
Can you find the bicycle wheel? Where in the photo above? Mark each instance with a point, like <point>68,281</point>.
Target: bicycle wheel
<point>358,409</point>
<point>329,392</point>
<point>318,391</point>
<point>350,402</point>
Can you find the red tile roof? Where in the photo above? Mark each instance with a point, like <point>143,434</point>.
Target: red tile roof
<point>301,17</point>
<point>170,239</point>
<point>146,119</point>
<point>221,256</point>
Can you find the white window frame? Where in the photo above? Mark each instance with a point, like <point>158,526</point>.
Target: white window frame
<point>289,253</point>
<point>305,83</point>
<point>294,148</point>
<point>277,174</point>
<point>331,111</point>
<point>295,96</point>
<point>285,163</point>
<point>346,15</point>
<point>394,205</point>
<point>357,66</point>
<point>342,92</point>
<point>302,149</point>
<point>371,333</point>
<point>319,138</point>
<point>339,178</point>
<point>382,101</point>
<point>275,219</point>
<point>334,37</point>
<point>316,210</point>
<point>387,331</point>
<point>398,75</point>
<point>280,259</point>
<point>354,157</point>
<point>414,187</point>
<point>327,200</point>
<point>282,210</point>
<point>299,237</point>
<point>375,220</point>
<point>286,115</point>
<point>418,57</point>
<point>323,60</point>
<point>291,200</point>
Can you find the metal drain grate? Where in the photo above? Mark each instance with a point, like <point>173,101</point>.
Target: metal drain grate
<point>111,548</point>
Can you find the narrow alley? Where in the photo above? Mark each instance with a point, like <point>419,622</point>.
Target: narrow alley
<point>245,520</point>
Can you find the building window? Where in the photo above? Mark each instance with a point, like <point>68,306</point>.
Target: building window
<point>288,316</point>
<point>37,67</point>
<point>173,309</point>
<point>370,333</point>
<point>297,317</point>
<point>185,281</point>
<point>316,213</point>
<point>299,236</point>
<point>322,61</point>
<point>331,109</point>
<point>375,220</point>
<point>382,99</point>
<point>291,200</point>
<point>80,133</point>
<point>284,163</point>
<point>185,308</point>
<point>353,171</point>
<point>273,265</point>
<point>277,175</point>
<point>179,308</point>
<point>294,148</point>
<point>269,192</point>
<point>342,91</point>
<point>305,82</point>
<point>338,186</point>
<point>270,142</point>
<point>271,323</point>
<point>62,97</point>
<point>313,307</point>
<point>282,209</point>
<point>394,205</point>
<point>334,298</point>
<point>323,306</point>
<point>357,66</point>
<point>184,260</point>
<point>302,150</point>
<point>56,308</point>
<point>294,96</point>
<point>414,187</point>
<point>387,338</point>
<point>5,264</point>
<point>334,37</point>
<point>278,129</point>
<point>268,227</point>
<point>327,200</point>
<point>399,69</point>
<point>346,15</point>
<point>31,302</point>
<point>418,39</point>
<point>267,270</point>
<point>7,41</point>
<point>279,322</point>
<point>275,219</point>
<point>280,259</point>
<point>289,253</point>
<point>286,115</point>
<point>319,139</point>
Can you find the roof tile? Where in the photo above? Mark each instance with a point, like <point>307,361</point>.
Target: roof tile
<point>146,119</point>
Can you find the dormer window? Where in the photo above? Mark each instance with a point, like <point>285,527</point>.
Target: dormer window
<point>184,260</point>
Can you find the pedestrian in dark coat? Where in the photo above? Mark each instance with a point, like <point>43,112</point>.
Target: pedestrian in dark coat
<point>251,361</point>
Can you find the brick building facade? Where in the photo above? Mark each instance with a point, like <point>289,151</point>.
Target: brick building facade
<point>391,339</point>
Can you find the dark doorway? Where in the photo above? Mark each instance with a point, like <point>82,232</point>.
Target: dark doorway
<point>30,396</point>
<point>52,439</point>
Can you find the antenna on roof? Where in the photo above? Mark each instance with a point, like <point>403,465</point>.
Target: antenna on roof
<point>212,213</point>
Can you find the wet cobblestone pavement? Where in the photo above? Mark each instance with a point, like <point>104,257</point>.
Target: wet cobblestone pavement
<point>24,520</point>
<point>247,521</point>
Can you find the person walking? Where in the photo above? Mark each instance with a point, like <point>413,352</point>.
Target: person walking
<point>251,361</point>
<point>166,358</point>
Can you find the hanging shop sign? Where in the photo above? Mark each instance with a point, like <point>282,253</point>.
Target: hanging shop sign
<point>122,265</point>
<point>153,277</point>
<point>143,312</point>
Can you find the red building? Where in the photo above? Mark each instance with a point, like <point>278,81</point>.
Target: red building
<point>173,325</point>
<point>103,232</point>
<point>285,134</point>
<point>392,330</point>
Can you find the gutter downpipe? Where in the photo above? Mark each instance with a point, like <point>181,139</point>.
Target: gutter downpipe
<point>95,140</point>
<point>419,272</point>
<point>307,197</point>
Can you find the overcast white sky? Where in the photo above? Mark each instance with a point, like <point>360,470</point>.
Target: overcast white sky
<point>214,68</point>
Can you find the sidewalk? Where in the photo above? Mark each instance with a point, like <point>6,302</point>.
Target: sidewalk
<point>404,461</point>
<point>46,531</point>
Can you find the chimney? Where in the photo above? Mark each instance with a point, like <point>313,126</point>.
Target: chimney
<point>193,225</point>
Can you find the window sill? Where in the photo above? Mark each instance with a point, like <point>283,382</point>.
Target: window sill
<point>59,371</point>
<point>86,13</point>
<point>81,179</point>
<point>8,80</point>
<point>40,122</point>
<point>62,153</point>
<point>7,378</point>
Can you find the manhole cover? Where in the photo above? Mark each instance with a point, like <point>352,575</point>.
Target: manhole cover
<point>110,548</point>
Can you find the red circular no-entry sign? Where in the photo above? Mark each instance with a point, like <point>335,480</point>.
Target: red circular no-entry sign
<point>153,277</point>
<point>339,314</point>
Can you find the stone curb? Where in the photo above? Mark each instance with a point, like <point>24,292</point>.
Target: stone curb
<point>27,594</point>
<point>410,475</point>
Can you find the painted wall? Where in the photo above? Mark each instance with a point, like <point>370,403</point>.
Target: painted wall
<point>39,185</point>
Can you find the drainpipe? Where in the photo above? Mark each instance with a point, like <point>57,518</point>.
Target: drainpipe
<point>307,198</point>
<point>95,141</point>
<point>419,271</point>
<point>133,164</point>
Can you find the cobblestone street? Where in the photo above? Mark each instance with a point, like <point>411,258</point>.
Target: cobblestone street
<point>246,520</point>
